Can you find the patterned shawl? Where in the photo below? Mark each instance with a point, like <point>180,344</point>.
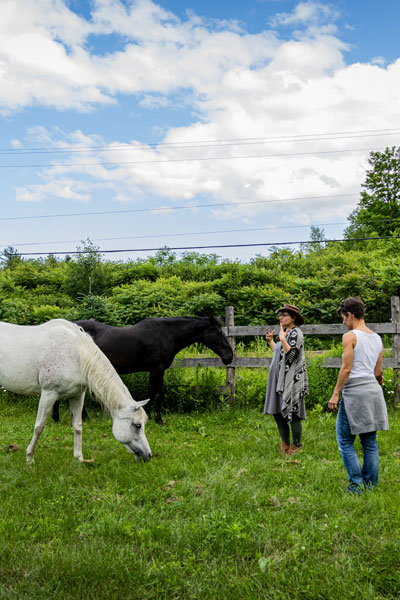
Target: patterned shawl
<point>292,376</point>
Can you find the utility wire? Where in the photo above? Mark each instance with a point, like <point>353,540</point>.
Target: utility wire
<point>191,233</point>
<point>180,160</point>
<point>213,143</point>
<point>171,208</point>
<point>212,246</point>
<point>182,145</point>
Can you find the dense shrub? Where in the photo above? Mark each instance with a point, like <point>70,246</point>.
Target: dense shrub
<point>165,285</point>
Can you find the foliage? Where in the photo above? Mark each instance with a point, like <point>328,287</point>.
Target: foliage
<point>167,297</point>
<point>100,308</point>
<point>86,273</point>
<point>315,280</point>
<point>317,240</point>
<point>10,257</point>
<point>321,382</point>
<point>378,212</point>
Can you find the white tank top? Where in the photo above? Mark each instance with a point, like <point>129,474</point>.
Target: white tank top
<point>366,354</point>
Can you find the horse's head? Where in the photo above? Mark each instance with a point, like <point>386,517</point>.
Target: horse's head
<point>128,428</point>
<point>214,338</point>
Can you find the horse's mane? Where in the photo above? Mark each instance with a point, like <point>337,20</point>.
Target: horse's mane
<point>99,374</point>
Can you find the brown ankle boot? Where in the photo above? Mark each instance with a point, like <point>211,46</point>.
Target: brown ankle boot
<point>293,448</point>
<point>284,448</point>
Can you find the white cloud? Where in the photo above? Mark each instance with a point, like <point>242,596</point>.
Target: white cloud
<point>45,53</point>
<point>241,85</point>
<point>306,13</point>
<point>379,60</point>
<point>58,188</point>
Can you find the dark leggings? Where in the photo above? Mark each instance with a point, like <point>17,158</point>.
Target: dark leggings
<point>284,430</point>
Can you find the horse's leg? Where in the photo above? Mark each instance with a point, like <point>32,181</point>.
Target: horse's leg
<point>46,402</point>
<point>85,416</point>
<point>76,406</point>
<point>56,411</point>
<point>156,394</point>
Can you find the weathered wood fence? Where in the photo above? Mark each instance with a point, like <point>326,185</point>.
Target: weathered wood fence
<point>232,331</point>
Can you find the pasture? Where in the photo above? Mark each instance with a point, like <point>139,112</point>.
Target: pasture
<point>218,512</point>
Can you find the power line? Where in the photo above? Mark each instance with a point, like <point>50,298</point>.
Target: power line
<point>212,246</point>
<point>191,233</point>
<point>179,160</point>
<point>136,237</point>
<point>173,208</point>
<point>212,143</point>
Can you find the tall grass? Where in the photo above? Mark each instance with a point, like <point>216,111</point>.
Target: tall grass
<point>218,512</point>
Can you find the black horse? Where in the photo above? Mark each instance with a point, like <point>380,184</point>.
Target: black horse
<point>151,345</point>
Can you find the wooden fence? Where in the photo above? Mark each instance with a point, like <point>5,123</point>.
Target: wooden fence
<point>232,331</point>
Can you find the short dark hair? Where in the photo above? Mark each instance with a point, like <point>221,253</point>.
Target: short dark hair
<point>354,305</point>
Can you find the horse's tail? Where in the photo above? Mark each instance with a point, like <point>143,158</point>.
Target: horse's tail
<point>98,374</point>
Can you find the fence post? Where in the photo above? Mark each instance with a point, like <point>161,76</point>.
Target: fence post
<point>230,371</point>
<point>395,307</point>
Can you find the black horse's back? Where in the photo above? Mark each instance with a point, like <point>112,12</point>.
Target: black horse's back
<point>152,344</point>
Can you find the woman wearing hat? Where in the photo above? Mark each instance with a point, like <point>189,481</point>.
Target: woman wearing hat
<point>287,379</point>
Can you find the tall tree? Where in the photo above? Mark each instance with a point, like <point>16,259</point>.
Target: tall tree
<point>378,211</point>
<point>86,274</point>
<point>10,257</point>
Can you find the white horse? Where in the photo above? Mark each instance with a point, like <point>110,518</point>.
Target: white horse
<point>59,360</point>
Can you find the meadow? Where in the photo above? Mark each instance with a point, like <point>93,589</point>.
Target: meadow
<point>218,512</point>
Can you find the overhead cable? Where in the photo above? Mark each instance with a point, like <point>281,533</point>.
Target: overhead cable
<point>191,233</point>
<point>128,250</point>
<point>187,159</point>
<point>212,143</point>
<point>171,208</point>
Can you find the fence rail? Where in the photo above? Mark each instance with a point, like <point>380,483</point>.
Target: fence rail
<point>232,331</point>
<point>322,329</point>
<point>263,362</point>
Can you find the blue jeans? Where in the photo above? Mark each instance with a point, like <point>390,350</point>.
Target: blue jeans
<point>368,474</point>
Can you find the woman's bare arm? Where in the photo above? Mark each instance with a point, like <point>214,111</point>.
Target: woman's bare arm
<point>349,342</point>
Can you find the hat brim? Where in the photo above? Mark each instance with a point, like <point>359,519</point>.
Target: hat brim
<point>298,319</point>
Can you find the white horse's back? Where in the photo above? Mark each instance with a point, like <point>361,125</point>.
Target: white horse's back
<point>33,357</point>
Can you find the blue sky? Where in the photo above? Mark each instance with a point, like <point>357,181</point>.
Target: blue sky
<point>140,125</point>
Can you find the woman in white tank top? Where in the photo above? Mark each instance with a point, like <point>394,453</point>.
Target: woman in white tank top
<point>362,409</point>
<point>366,353</point>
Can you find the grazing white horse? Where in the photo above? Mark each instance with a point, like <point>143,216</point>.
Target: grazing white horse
<point>59,360</point>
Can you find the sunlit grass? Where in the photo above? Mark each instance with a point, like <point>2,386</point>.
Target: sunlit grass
<point>218,512</point>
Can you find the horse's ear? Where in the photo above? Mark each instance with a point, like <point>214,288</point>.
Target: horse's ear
<point>141,403</point>
<point>216,321</point>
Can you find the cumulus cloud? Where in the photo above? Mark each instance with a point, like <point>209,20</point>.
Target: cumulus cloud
<point>45,55</point>
<point>276,95</point>
<point>306,13</point>
<point>63,188</point>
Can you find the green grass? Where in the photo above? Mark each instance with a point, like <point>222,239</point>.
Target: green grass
<point>218,512</point>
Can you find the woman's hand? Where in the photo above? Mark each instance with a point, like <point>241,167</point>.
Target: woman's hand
<point>269,335</point>
<point>333,402</point>
<point>282,334</point>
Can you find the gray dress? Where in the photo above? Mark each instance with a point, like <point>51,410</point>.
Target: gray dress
<point>273,401</point>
